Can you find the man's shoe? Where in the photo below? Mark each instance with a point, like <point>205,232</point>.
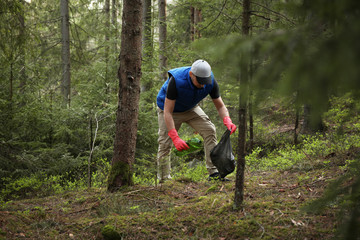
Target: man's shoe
<point>216,176</point>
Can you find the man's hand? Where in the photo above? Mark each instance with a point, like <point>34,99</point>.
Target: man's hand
<point>178,142</point>
<point>228,123</point>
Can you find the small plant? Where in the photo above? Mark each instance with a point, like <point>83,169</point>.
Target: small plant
<point>109,233</point>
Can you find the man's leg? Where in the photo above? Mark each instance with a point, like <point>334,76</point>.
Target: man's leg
<point>198,120</point>
<point>165,144</point>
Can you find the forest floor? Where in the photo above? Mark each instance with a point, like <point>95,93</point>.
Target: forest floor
<point>180,209</point>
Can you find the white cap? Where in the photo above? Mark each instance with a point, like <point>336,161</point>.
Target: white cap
<point>202,70</point>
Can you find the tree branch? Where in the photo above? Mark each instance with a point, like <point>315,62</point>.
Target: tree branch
<point>272,11</point>
<point>222,8</point>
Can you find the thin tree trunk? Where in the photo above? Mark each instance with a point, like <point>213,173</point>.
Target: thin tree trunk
<point>313,121</point>
<point>11,90</point>
<point>296,126</point>
<point>107,46</point>
<point>22,37</point>
<point>197,20</point>
<point>129,74</point>
<point>147,36</point>
<point>250,105</point>
<point>240,172</point>
<point>91,151</point>
<point>192,23</point>
<point>251,124</point>
<point>147,44</point>
<point>162,40</point>
<point>114,24</point>
<point>65,54</point>
<point>116,12</point>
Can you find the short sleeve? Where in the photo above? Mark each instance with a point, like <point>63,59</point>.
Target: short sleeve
<point>171,92</point>
<point>215,92</point>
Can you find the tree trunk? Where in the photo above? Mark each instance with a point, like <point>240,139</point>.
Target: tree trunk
<point>114,23</point>
<point>250,106</point>
<point>251,123</point>
<point>148,47</point>
<point>11,90</point>
<point>296,125</point>
<point>192,23</point>
<point>195,18</point>
<point>91,151</point>
<point>147,36</point>
<point>313,121</point>
<point>65,53</point>
<point>22,38</point>
<point>129,74</point>
<point>240,171</point>
<point>162,40</point>
<point>116,11</point>
<point>107,47</point>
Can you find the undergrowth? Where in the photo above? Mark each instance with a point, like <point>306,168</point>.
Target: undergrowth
<point>285,195</point>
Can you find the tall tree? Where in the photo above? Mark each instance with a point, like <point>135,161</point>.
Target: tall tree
<point>240,172</point>
<point>114,24</point>
<point>22,40</point>
<point>107,42</point>
<point>195,18</point>
<point>129,74</point>
<point>65,53</point>
<point>162,40</point>
<point>147,36</point>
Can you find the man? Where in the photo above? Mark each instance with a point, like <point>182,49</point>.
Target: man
<point>178,102</point>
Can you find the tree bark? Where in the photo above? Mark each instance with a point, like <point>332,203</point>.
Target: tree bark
<point>195,18</point>
<point>22,37</point>
<point>129,74</point>
<point>192,23</point>
<point>114,23</point>
<point>296,125</point>
<point>147,36</point>
<point>240,171</point>
<point>251,123</point>
<point>65,54</point>
<point>162,40</point>
<point>107,47</point>
<point>313,121</point>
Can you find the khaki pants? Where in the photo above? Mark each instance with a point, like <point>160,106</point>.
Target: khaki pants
<point>199,121</point>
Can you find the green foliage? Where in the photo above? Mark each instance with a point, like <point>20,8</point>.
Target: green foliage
<point>109,233</point>
<point>312,152</point>
<point>194,144</point>
<point>38,185</point>
<point>145,170</point>
<point>187,172</point>
<point>344,192</point>
<point>343,115</point>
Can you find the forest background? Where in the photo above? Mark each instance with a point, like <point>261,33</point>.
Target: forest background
<point>302,59</point>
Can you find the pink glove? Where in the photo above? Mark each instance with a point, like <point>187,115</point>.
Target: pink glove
<point>228,123</point>
<point>178,142</point>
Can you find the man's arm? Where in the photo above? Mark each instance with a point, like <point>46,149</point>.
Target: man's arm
<point>169,121</point>
<point>220,107</point>
<point>224,114</point>
<point>168,111</point>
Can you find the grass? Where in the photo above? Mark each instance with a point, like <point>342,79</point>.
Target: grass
<point>180,210</point>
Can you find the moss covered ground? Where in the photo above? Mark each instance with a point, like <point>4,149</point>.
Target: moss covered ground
<point>180,209</point>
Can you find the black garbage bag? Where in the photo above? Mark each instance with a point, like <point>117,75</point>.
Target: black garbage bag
<point>222,155</point>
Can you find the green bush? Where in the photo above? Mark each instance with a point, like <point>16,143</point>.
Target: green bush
<point>312,151</point>
<point>38,185</point>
